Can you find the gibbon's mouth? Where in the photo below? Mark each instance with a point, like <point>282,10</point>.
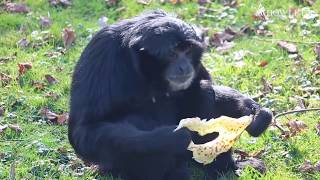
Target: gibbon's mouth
<point>180,82</point>
<point>180,78</point>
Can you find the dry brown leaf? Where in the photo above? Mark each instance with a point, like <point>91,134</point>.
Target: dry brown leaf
<point>68,36</point>
<point>289,47</point>
<point>38,85</point>
<point>267,86</point>
<point>62,150</point>
<point>16,7</point>
<point>53,117</point>
<point>48,114</point>
<point>241,153</point>
<point>15,127</point>
<point>45,22</point>
<point>51,80</point>
<point>317,166</point>
<point>256,163</point>
<point>230,3</point>
<point>260,15</point>
<point>263,63</point>
<point>24,67</point>
<point>176,1</point>
<point>222,40</point>
<point>144,2</point>
<point>310,2</point>
<point>203,2</point>
<point>5,79</point>
<point>3,128</point>
<point>264,32</point>
<point>244,155</point>
<point>316,70</point>
<point>306,167</point>
<point>63,118</point>
<point>229,130</point>
<point>23,43</point>
<point>296,126</point>
<point>64,3</point>
<point>8,58</point>
<point>52,95</point>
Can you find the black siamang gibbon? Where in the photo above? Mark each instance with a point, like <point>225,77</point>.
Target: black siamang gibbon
<point>134,82</point>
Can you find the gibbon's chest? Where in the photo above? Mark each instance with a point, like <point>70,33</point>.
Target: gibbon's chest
<point>159,111</point>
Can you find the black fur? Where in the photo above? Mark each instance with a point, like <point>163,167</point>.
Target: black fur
<point>123,114</point>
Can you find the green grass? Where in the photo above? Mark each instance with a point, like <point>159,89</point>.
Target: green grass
<point>36,152</point>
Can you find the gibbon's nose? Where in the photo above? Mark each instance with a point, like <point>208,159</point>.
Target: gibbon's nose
<point>185,69</point>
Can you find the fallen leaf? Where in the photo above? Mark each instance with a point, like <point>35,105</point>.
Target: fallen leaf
<point>45,22</point>
<point>62,150</point>
<point>5,79</point>
<point>267,86</point>
<point>16,7</point>
<point>222,40</point>
<point>64,3</point>
<point>317,166</point>
<point>225,46</point>
<point>3,128</point>
<point>68,36</point>
<point>242,154</point>
<point>296,126</point>
<point>53,117</point>
<point>230,3</point>
<point>15,127</point>
<point>264,32</point>
<point>256,163</point>
<point>263,63</point>
<point>318,128</point>
<point>63,118</point>
<point>51,80</point>
<point>203,2</point>
<point>23,43</point>
<point>144,2</point>
<point>24,67</point>
<point>52,95</point>
<point>306,167</point>
<point>310,2</point>
<point>260,15</point>
<point>6,59</point>
<point>176,1</point>
<point>38,85</point>
<point>289,47</point>
<point>48,114</point>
